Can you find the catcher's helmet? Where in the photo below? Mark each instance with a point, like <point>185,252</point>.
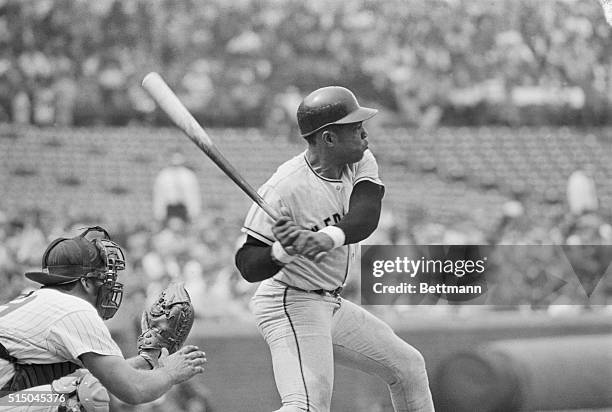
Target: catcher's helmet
<point>330,105</point>
<point>68,260</point>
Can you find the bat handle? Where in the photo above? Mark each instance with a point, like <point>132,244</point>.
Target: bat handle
<point>268,209</point>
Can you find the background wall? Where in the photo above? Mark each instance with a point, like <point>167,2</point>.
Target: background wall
<point>239,374</point>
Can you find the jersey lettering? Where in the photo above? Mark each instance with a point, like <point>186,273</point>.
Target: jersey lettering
<point>328,221</point>
<point>315,202</point>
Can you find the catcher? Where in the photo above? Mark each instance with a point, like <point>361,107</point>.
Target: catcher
<point>48,336</point>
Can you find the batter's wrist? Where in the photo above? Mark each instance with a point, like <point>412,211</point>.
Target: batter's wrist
<point>336,234</point>
<point>280,255</point>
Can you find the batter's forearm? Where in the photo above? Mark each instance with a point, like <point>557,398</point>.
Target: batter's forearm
<point>364,212</point>
<point>255,263</point>
<point>357,229</point>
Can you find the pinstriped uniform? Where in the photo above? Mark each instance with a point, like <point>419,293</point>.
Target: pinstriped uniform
<point>49,326</point>
<point>308,331</point>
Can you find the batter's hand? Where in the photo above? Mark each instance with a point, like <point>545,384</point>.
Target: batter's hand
<point>183,364</point>
<point>285,230</point>
<point>313,245</point>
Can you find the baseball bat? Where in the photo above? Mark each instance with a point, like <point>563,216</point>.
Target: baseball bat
<point>178,113</point>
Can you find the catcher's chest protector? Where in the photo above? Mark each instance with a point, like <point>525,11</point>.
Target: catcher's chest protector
<point>30,375</point>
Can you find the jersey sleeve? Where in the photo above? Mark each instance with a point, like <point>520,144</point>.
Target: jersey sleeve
<point>81,332</point>
<point>367,169</point>
<point>257,222</point>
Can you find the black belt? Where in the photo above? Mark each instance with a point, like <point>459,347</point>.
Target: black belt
<point>335,293</point>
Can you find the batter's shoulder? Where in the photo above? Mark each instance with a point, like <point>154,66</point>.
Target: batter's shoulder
<point>368,157</point>
<point>289,175</point>
<point>366,169</point>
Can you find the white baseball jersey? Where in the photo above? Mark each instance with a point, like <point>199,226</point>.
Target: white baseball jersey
<point>49,326</point>
<point>314,202</point>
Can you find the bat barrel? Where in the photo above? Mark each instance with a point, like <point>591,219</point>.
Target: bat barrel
<point>182,118</point>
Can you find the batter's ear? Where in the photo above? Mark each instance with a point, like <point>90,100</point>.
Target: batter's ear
<point>328,137</point>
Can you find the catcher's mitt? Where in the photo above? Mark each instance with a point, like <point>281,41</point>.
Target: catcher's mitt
<point>166,323</point>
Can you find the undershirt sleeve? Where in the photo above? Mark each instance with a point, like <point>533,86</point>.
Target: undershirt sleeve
<point>254,260</point>
<point>364,211</point>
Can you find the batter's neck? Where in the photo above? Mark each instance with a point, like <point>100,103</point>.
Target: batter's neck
<point>324,164</point>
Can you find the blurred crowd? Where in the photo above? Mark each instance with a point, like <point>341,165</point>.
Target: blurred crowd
<point>198,250</point>
<point>244,63</point>
<point>197,247</point>
<point>199,253</point>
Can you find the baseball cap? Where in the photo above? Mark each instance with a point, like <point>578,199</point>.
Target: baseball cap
<point>66,260</point>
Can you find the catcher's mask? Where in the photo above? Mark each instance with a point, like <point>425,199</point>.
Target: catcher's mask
<point>68,260</point>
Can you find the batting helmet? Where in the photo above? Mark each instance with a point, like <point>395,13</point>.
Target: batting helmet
<point>330,105</point>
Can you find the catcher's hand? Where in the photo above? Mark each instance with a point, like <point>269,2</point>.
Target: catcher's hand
<point>183,364</point>
<point>166,323</point>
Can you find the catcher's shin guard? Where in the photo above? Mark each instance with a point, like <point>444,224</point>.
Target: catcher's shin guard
<point>83,392</point>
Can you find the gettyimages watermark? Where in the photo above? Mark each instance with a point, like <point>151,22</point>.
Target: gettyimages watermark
<point>504,275</point>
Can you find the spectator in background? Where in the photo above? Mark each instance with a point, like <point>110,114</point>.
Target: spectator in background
<point>281,120</point>
<point>176,192</point>
<point>10,268</point>
<point>584,225</point>
<point>581,192</point>
<point>21,107</point>
<point>65,90</point>
<point>28,238</point>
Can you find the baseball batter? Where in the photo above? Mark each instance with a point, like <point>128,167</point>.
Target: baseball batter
<point>329,198</point>
<point>49,335</point>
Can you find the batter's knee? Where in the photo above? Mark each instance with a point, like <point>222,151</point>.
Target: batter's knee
<point>410,367</point>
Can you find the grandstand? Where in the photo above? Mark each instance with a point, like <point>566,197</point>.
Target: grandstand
<point>448,174</point>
